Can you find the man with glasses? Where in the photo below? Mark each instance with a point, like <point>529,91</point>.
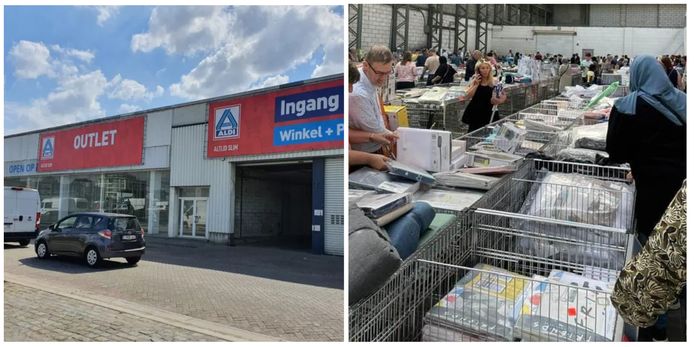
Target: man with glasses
<point>364,104</point>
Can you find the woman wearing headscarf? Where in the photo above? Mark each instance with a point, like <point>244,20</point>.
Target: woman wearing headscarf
<point>478,112</point>
<point>647,129</point>
<point>564,75</point>
<point>445,72</point>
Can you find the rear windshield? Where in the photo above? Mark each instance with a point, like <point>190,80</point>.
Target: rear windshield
<point>124,223</point>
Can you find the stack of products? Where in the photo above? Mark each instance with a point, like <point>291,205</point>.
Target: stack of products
<point>453,200</point>
<point>384,208</point>
<point>481,303</point>
<point>460,179</point>
<point>368,178</point>
<point>355,195</point>
<point>566,307</point>
<point>410,172</point>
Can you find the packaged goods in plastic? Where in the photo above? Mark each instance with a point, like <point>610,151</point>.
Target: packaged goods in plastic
<point>452,200</point>
<point>481,302</point>
<point>581,199</point>
<point>410,172</point>
<point>582,155</point>
<point>461,179</point>
<point>556,312</point>
<point>368,178</point>
<point>376,206</point>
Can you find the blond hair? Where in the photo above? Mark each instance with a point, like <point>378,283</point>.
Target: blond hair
<point>490,79</point>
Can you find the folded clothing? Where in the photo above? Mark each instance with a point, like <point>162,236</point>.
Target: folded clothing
<point>590,143</point>
<point>405,231</point>
<point>377,206</point>
<point>582,155</point>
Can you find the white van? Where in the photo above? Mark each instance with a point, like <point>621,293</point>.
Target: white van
<point>22,214</point>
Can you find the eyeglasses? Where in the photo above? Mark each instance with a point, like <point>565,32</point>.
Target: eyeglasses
<point>380,73</point>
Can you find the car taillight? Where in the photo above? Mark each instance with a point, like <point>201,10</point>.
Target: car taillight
<point>38,220</point>
<point>105,234</point>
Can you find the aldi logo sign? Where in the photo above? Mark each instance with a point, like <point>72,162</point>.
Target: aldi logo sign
<point>48,148</point>
<point>227,121</point>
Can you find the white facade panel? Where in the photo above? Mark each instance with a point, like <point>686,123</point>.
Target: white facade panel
<point>191,114</point>
<point>334,206</point>
<point>22,147</point>
<point>288,156</point>
<point>189,167</point>
<point>612,40</point>
<point>158,128</point>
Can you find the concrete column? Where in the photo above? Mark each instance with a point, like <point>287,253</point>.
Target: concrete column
<point>173,212</point>
<point>102,188</point>
<point>154,189</point>
<point>63,202</point>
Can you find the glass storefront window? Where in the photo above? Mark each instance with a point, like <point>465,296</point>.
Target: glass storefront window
<point>16,182</point>
<point>84,194</point>
<point>127,193</point>
<point>49,192</point>
<point>194,192</point>
<point>160,210</point>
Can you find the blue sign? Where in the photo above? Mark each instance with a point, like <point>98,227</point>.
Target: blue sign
<point>331,130</point>
<point>48,148</point>
<point>20,169</point>
<point>227,122</point>
<point>316,103</point>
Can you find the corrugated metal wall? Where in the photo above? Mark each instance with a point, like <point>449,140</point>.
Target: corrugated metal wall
<point>189,167</point>
<point>22,147</point>
<point>334,210</point>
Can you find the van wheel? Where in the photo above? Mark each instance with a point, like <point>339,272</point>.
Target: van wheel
<point>92,257</point>
<point>23,243</point>
<point>42,250</point>
<point>132,260</point>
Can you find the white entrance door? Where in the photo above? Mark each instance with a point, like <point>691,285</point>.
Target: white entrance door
<point>193,217</point>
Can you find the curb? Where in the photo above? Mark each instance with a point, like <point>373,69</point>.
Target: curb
<point>222,332</point>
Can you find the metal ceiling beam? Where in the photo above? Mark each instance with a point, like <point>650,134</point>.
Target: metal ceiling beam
<point>461,22</point>
<point>401,28</point>
<point>354,25</point>
<point>481,27</point>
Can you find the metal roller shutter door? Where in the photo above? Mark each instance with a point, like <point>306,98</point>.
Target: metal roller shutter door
<point>334,210</point>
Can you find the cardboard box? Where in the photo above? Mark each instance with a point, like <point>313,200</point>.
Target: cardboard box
<point>397,116</point>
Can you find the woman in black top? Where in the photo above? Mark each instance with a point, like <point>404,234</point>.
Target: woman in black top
<point>670,71</point>
<point>445,72</point>
<point>478,112</point>
<point>647,129</point>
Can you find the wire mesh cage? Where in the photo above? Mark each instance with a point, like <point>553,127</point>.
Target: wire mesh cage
<point>445,116</point>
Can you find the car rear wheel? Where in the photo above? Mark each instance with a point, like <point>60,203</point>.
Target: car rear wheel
<point>42,250</point>
<point>92,257</point>
<point>132,260</point>
<point>23,243</point>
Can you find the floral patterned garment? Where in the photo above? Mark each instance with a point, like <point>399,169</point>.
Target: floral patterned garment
<point>653,279</point>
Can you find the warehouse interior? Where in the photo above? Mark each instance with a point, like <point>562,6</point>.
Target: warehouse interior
<point>516,127</point>
<point>608,29</point>
<point>274,205</point>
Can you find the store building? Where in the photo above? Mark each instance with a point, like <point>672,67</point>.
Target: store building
<point>265,164</point>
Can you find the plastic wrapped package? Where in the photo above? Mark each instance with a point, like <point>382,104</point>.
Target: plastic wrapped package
<point>597,132</point>
<point>435,95</point>
<point>590,143</point>
<point>368,178</point>
<point>576,198</point>
<point>582,155</point>
<point>435,333</point>
<point>556,312</point>
<point>481,303</point>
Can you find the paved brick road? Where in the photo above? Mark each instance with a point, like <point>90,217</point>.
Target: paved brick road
<point>36,315</point>
<point>287,294</point>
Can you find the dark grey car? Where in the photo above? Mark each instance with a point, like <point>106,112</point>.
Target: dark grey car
<point>93,236</point>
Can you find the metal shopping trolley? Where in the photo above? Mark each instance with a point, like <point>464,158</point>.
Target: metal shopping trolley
<point>534,276</point>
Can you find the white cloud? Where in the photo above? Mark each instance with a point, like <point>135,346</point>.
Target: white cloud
<point>184,30</point>
<point>31,60</point>
<point>104,13</point>
<point>127,108</point>
<point>127,89</point>
<point>274,81</point>
<point>85,56</point>
<point>259,42</point>
<point>74,100</point>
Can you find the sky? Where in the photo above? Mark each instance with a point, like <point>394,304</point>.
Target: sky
<point>66,64</point>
